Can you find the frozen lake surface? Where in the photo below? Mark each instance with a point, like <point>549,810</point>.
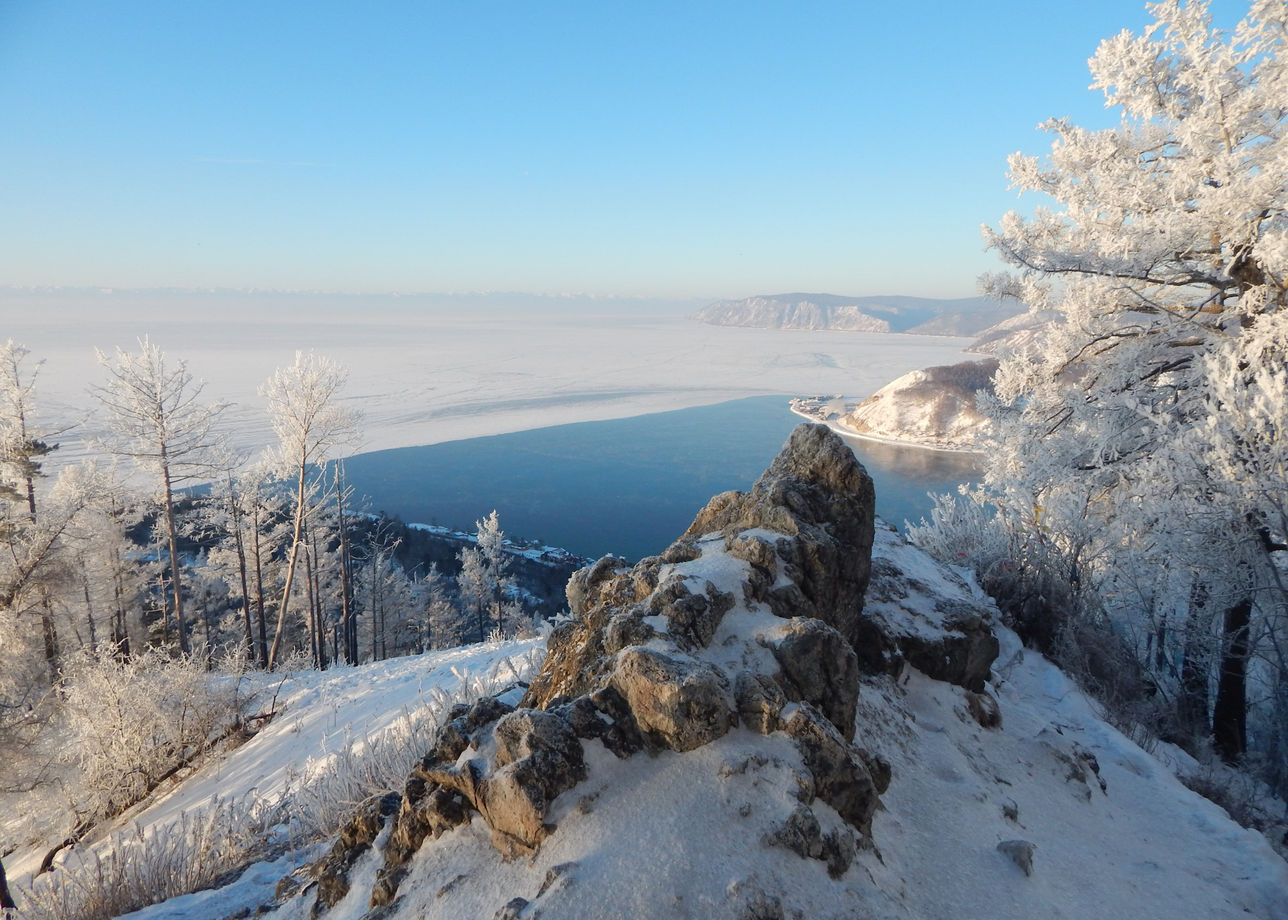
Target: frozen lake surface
<point>424,370</point>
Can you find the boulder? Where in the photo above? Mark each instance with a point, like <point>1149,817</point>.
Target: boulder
<point>679,703</point>
<point>537,757</point>
<point>820,667</point>
<point>927,617</point>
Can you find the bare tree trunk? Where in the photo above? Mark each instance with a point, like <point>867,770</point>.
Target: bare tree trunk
<point>120,629</point>
<point>310,602</point>
<point>50,635</point>
<point>89,613</point>
<point>239,545</point>
<point>172,534</point>
<point>375,612</point>
<point>284,606</point>
<point>1230,713</point>
<point>259,592</point>
<point>318,607</point>
<point>347,626</point>
<point>1196,656</point>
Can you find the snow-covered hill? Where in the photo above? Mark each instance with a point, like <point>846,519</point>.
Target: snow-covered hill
<point>1005,799</point>
<point>966,316</point>
<point>1015,333</point>
<point>934,407</point>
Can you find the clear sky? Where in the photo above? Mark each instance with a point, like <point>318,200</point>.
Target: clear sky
<point>664,149</point>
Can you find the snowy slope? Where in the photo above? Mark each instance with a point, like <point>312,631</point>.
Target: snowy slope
<point>684,835</point>
<point>321,716</point>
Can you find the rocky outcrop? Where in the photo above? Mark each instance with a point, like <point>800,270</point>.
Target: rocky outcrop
<point>754,619</point>
<point>927,614</point>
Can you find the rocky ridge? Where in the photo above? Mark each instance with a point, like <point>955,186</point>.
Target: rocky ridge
<point>752,621</point>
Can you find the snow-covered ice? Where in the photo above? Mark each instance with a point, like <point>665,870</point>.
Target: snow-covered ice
<point>423,376</point>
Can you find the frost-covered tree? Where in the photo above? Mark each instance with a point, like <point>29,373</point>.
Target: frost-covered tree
<point>30,547</point>
<point>156,418</point>
<point>440,615</point>
<point>133,722</point>
<point>484,582</point>
<point>303,406</point>
<point>1143,444</point>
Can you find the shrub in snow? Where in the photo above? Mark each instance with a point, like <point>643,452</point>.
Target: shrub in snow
<point>134,722</point>
<point>139,868</point>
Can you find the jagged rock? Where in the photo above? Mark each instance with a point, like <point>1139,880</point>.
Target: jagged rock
<point>462,722</point>
<point>840,771</point>
<point>751,902</point>
<point>513,910</point>
<point>983,709</point>
<point>692,618</point>
<point>760,700</point>
<point>679,703</point>
<point>646,663</point>
<point>537,757</point>
<point>929,623</point>
<point>802,834</point>
<point>820,667</point>
<point>356,837</point>
<point>817,494</point>
<point>839,850</point>
<point>557,877</point>
<point>1081,768</point>
<point>1020,852</point>
<point>605,716</point>
<point>441,793</point>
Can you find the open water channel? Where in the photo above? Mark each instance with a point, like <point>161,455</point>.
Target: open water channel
<point>628,486</point>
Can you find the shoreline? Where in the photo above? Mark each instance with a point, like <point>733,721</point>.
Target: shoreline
<point>842,430</point>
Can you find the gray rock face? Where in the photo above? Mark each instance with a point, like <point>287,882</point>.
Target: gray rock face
<point>678,703</point>
<point>1020,852</point>
<point>820,667</point>
<point>928,622</point>
<point>650,662</point>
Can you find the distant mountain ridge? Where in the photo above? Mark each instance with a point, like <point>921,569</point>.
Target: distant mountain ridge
<point>963,316</point>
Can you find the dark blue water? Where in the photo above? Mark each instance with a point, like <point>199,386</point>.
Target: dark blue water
<point>628,486</point>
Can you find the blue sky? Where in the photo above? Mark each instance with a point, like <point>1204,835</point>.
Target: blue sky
<point>655,149</point>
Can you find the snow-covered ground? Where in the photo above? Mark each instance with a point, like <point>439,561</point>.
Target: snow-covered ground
<point>679,835</point>
<point>423,374</point>
<point>321,716</point>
